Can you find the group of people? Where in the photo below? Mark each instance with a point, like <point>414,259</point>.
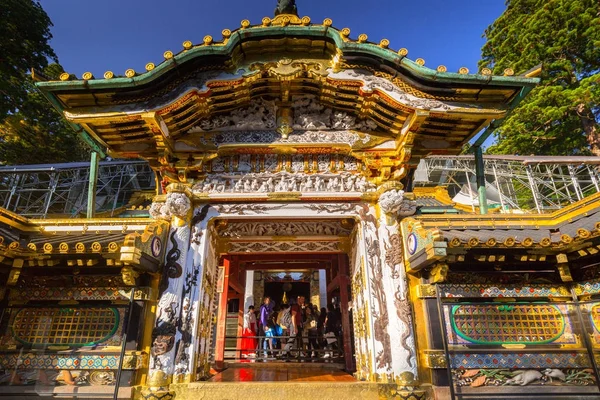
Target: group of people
<point>277,331</point>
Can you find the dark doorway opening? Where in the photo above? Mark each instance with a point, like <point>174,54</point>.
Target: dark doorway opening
<point>275,290</point>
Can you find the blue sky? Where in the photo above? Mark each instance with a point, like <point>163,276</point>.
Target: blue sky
<point>115,35</point>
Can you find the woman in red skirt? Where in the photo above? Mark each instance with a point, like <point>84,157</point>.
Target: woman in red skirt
<point>248,341</point>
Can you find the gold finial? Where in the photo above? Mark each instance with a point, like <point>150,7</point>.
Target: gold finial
<point>207,40</point>
<point>245,23</point>
<point>150,66</point>
<point>384,43</point>
<point>168,54</point>
<point>48,248</point>
<point>327,22</point>
<point>87,76</point>
<point>486,71</point>
<point>109,75</point>
<point>463,70</point>
<point>509,72</point>
<point>305,21</point>
<point>64,76</point>
<point>187,45</point>
<point>442,68</point>
<point>420,61</point>
<point>266,21</point>
<point>226,33</point>
<point>130,73</point>
<point>362,38</point>
<point>403,52</point>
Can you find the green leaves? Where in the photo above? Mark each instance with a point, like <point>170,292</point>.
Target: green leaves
<point>561,116</point>
<point>31,131</point>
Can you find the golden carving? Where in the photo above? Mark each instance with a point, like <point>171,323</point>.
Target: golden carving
<point>48,248</point>
<point>64,76</point>
<point>403,52</point>
<point>187,45</point>
<point>384,43</point>
<point>108,75</point>
<point>463,70</point>
<point>420,61</point>
<point>113,247</point>
<point>438,273</point>
<point>129,275</point>
<point>96,247</point>
<point>327,22</point>
<point>435,359</point>
<point>150,66</point>
<point>509,72</point>
<point>426,291</point>
<point>79,247</point>
<point>87,76</point>
<point>207,40</point>
<point>442,68</point>
<point>130,73</point>
<point>168,55</point>
<point>486,71</point>
<point>63,247</point>
<point>362,38</point>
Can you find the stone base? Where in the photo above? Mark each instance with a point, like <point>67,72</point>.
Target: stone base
<point>281,390</point>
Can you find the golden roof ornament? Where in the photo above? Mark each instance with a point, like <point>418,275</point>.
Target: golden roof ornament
<point>286,7</point>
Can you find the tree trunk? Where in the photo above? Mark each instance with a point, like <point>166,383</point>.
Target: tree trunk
<point>588,124</point>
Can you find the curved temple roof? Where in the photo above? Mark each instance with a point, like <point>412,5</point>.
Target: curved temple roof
<point>282,60</point>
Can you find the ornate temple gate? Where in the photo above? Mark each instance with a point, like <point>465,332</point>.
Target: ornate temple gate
<point>365,248</point>
<point>290,121</point>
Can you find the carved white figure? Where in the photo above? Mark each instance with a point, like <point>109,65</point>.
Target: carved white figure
<point>239,186</point>
<point>392,202</point>
<point>178,204</point>
<point>525,377</point>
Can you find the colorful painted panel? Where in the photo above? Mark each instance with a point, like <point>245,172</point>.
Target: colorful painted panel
<point>520,360</point>
<point>474,291</point>
<point>63,293</point>
<point>81,326</point>
<point>587,288</point>
<point>509,323</point>
<point>32,360</point>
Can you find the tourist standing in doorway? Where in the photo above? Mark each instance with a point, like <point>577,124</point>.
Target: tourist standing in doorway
<point>310,331</point>
<point>293,328</point>
<point>263,321</point>
<point>249,333</point>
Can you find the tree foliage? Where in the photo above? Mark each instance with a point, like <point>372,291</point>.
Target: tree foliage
<point>31,131</point>
<point>24,44</point>
<point>560,116</point>
<point>37,133</point>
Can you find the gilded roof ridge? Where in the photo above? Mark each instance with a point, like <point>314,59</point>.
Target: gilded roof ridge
<point>291,23</point>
